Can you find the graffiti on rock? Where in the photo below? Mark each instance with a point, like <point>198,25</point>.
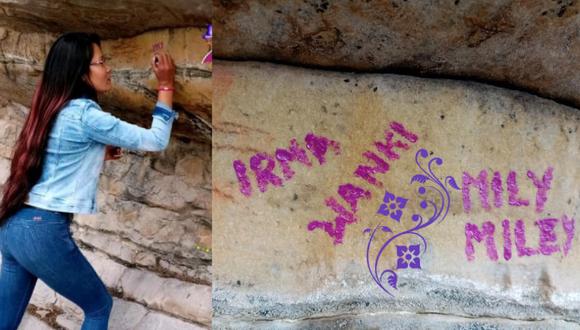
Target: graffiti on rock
<point>392,206</point>
<point>547,238</point>
<point>481,183</point>
<point>262,164</point>
<point>351,193</point>
<point>514,232</point>
<point>434,195</point>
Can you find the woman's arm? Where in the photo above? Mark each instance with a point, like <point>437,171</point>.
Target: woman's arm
<point>164,70</point>
<point>107,129</point>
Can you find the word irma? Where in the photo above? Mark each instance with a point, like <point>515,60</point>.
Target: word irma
<point>318,146</point>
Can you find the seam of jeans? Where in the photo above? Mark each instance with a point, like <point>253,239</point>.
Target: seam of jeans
<point>2,235</point>
<point>23,301</point>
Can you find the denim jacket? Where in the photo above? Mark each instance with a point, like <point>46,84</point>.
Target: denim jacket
<point>75,153</point>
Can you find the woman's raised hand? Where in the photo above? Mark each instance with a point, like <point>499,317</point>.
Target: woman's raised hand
<point>164,68</point>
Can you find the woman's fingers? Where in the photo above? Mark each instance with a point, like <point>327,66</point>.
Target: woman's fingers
<point>163,67</point>
<point>170,60</point>
<point>112,153</point>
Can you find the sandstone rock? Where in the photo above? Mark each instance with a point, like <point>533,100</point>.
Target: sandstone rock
<point>126,315</point>
<point>111,244</point>
<point>68,322</point>
<point>193,169</point>
<point>109,270</point>
<point>145,259</point>
<point>4,169</point>
<point>182,299</point>
<point>158,321</point>
<point>263,211</point>
<point>71,310</point>
<point>402,322</point>
<point>187,300</point>
<point>12,116</point>
<point>43,295</point>
<point>110,19</point>
<point>182,261</point>
<point>30,322</point>
<point>533,46</point>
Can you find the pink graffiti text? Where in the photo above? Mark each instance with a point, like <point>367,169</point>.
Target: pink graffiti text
<point>351,193</point>
<point>481,183</point>
<point>547,239</point>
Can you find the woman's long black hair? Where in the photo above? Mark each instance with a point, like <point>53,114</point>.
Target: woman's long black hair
<point>65,77</point>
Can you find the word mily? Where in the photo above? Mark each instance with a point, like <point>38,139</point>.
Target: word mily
<point>542,187</point>
<point>351,193</point>
<point>318,146</point>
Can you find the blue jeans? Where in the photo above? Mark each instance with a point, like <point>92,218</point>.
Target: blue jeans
<point>37,243</point>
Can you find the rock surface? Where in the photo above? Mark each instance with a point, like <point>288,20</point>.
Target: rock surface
<point>404,321</point>
<point>530,45</point>
<point>111,19</point>
<point>320,278</point>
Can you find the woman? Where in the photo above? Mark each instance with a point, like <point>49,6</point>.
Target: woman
<point>54,174</point>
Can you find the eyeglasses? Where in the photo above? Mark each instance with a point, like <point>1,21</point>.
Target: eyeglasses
<point>100,62</point>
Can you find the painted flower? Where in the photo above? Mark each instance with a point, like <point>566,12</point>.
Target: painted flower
<point>408,256</point>
<point>392,206</point>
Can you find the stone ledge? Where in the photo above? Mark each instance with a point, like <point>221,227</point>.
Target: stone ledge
<point>110,19</point>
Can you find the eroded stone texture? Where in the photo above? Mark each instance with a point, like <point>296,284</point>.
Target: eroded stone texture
<point>263,210</point>
<point>133,95</point>
<point>33,323</point>
<point>532,45</point>
<point>111,19</point>
<point>402,322</point>
<point>125,315</point>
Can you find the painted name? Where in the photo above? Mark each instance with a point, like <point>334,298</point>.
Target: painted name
<point>482,184</point>
<point>548,242</point>
<point>396,137</point>
<point>262,164</point>
<point>514,233</point>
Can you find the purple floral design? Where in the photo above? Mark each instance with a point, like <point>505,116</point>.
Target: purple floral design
<point>438,200</point>
<point>408,256</point>
<point>393,206</point>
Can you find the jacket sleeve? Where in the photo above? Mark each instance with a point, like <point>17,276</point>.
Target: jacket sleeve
<point>105,128</point>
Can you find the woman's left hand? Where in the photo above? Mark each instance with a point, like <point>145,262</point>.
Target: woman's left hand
<point>112,153</point>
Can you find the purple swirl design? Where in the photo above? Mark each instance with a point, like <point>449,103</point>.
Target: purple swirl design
<point>428,181</point>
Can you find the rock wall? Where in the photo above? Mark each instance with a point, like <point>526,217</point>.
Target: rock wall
<point>389,201</point>
<point>530,45</point>
<point>110,19</point>
<point>151,242</point>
